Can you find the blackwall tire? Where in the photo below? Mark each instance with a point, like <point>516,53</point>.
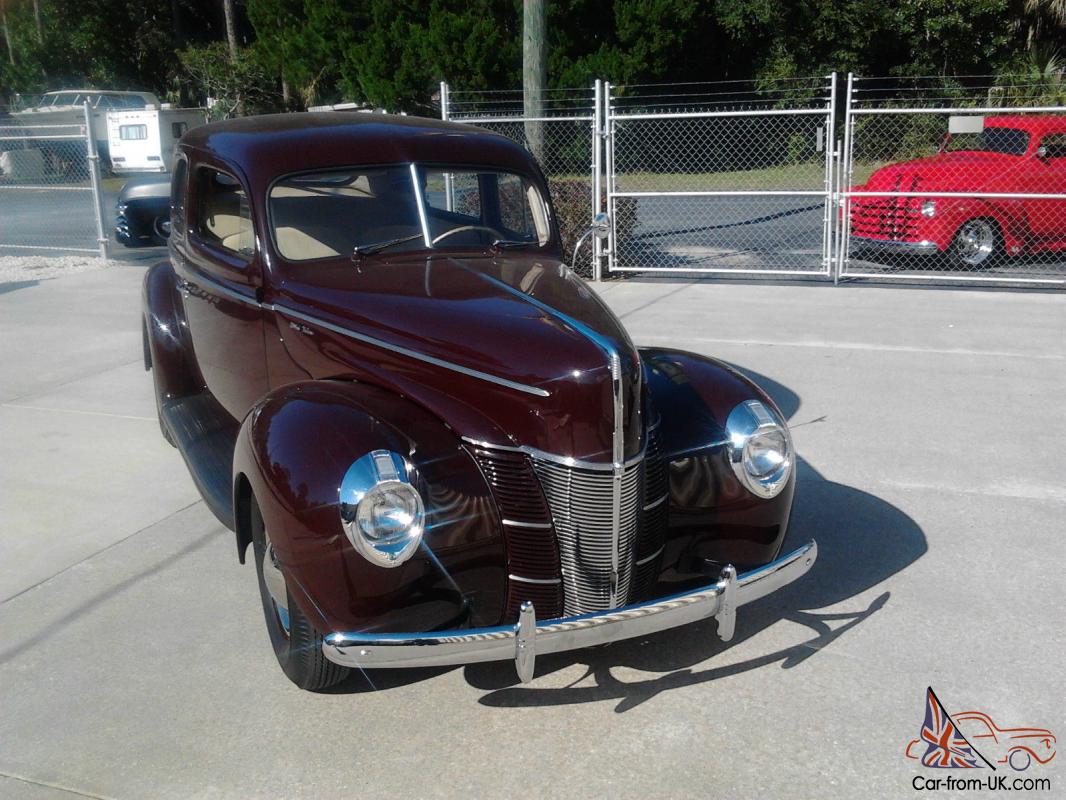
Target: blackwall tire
<point>298,648</point>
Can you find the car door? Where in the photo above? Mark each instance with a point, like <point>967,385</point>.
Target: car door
<point>1048,219</point>
<point>220,276</point>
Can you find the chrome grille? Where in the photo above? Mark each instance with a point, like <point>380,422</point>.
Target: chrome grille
<point>581,503</point>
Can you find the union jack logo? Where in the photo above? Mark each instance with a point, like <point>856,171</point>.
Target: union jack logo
<point>946,747</point>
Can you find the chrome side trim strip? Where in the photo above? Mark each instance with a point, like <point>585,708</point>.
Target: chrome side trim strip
<point>546,581</point>
<point>216,286</point>
<point>652,557</point>
<point>566,461</point>
<point>511,523</point>
<point>655,503</point>
<point>395,348</point>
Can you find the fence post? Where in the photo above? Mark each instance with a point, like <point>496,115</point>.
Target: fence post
<point>608,149</point>
<point>829,256</point>
<point>444,100</point>
<point>597,170</point>
<point>93,159</point>
<point>846,169</point>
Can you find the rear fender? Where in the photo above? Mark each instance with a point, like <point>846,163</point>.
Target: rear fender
<point>292,453</point>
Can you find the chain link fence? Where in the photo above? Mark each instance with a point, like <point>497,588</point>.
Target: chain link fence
<point>728,177</point>
<point>49,187</point>
<point>954,183</point>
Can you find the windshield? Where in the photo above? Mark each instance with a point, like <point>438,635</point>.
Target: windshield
<point>327,214</point>
<point>992,140</point>
<point>60,99</point>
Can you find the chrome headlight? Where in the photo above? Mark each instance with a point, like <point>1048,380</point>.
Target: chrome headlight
<point>382,513</point>
<point>760,449</point>
<point>929,208</point>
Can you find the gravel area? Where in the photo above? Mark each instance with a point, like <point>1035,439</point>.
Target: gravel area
<point>36,268</point>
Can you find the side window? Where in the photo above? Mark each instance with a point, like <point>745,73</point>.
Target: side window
<point>1055,145</point>
<point>132,132</point>
<point>223,216</point>
<point>458,192</point>
<point>522,211</point>
<point>177,194</point>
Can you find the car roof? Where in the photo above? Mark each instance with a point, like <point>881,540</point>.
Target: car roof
<point>1030,123</point>
<point>265,147</point>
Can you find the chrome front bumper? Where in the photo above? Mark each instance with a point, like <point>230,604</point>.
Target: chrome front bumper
<point>528,638</point>
<point>892,245</point>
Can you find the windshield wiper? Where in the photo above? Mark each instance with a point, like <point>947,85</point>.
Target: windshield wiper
<point>377,247</point>
<point>512,244</point>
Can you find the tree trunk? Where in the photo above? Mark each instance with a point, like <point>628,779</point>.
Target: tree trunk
<point>37,19</point>
<point>231,28</point>
<point>7,32</point>
<point>533,73</point>
<point>286,94</point>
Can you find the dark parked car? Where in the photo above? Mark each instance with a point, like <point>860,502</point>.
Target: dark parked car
<point>143,212</point>
<point>438,442</point>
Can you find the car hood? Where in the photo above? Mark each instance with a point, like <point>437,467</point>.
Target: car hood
<point>961,171</point>
<point>513,349</point>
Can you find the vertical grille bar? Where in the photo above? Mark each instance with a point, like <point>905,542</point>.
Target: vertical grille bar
<point>584,517</point>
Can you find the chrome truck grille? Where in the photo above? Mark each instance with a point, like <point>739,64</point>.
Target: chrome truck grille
<point>581,507</point>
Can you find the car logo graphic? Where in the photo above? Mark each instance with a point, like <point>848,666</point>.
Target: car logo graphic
<point>972,739</point>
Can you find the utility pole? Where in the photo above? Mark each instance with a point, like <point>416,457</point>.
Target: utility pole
<point>533,73</point>
<point>231,28</point>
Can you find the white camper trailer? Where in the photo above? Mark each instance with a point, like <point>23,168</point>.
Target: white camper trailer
<point>143,140</point>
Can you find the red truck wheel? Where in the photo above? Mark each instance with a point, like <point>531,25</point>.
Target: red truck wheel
<point>977,244</point>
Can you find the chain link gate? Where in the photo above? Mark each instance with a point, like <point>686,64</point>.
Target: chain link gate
<point>724,177</point>
<point>564,140</point>
<point>953,184</point>
<point>50,190</point>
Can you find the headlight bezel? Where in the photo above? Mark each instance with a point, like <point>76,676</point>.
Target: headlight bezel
<point>367,480</point>
<point>749,423</point>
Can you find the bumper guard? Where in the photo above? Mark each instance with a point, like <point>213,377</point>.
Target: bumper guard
<point>527,638</point>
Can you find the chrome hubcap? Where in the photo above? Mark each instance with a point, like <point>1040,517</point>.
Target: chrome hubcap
<point>976,241</point>
<point>162,227</point>
<point>275,583</point>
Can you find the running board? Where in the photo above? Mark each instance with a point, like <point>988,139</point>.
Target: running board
<point>206,434</point>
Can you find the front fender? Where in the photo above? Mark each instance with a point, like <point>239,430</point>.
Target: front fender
<point>1010,215</point>
<point>292,452</point>
<point>712,516</point>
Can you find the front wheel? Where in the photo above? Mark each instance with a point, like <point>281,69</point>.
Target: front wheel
<point>978,244</point>
<point>161,229</point>
<point>297,645</point>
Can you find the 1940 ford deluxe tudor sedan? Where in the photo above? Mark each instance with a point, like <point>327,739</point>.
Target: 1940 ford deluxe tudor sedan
<point>438,442</point>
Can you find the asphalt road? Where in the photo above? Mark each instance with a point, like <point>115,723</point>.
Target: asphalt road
<point>134,662</point>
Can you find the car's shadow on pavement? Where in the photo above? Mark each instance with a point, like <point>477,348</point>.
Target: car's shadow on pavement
<point>862,540</point>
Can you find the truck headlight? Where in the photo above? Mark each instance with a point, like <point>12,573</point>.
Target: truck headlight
<point>929,208</point>
<point>382,513</point>
<point>760,449</point>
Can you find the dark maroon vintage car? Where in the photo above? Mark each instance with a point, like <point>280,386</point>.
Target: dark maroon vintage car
<point>440,444</point>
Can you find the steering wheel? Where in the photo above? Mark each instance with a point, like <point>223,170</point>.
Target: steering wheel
<point>462,228</point>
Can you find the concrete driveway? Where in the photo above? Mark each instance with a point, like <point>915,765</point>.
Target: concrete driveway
<point>134,662</point>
